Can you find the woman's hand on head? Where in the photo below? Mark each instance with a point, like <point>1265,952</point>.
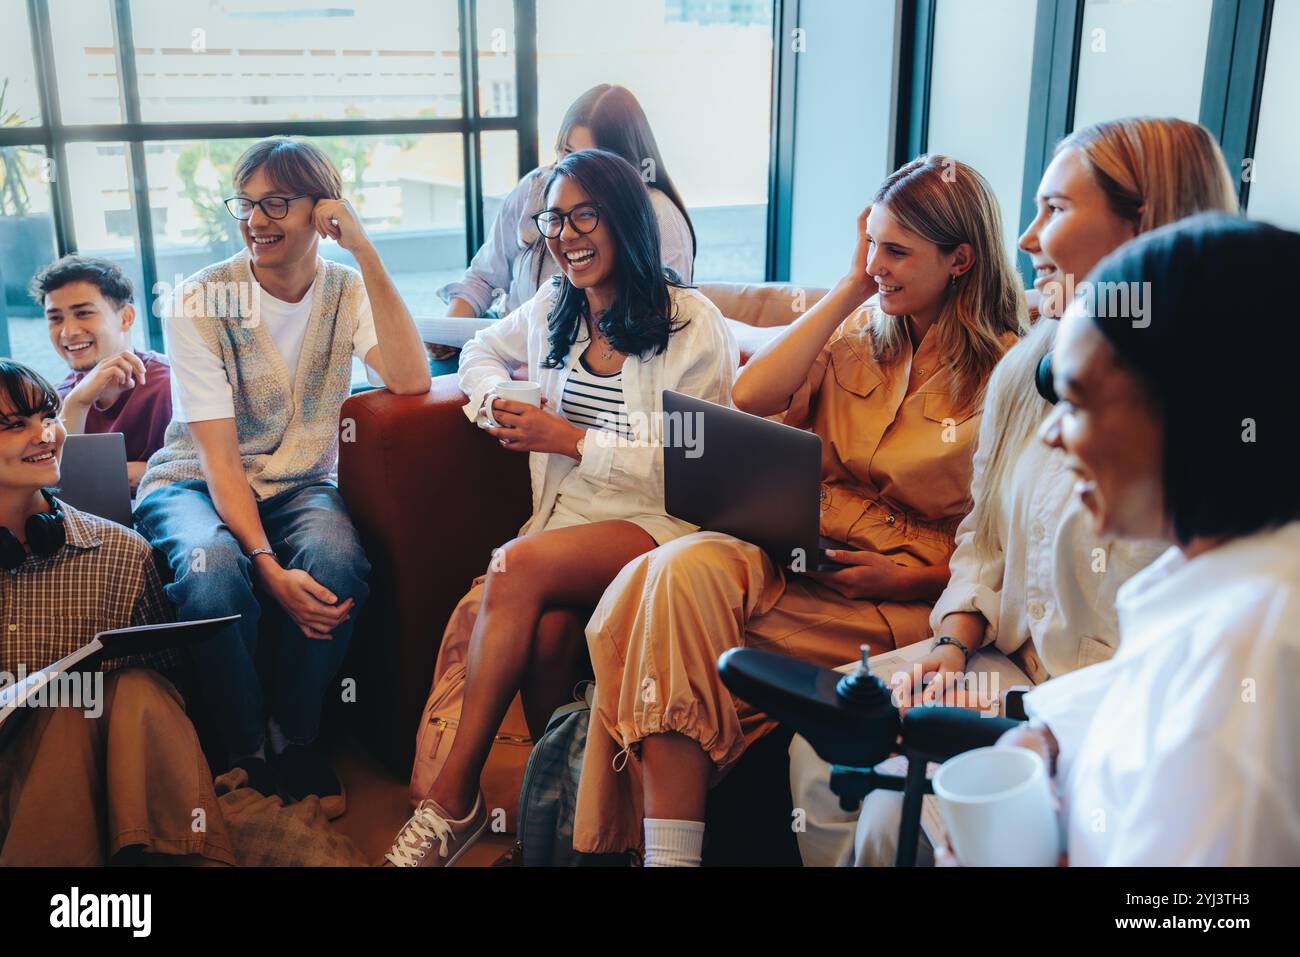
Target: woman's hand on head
<point>527,428</point>
<point>858,277</point>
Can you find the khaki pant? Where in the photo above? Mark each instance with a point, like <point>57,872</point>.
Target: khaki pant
<point>76,790</point>
<point>655,639</point>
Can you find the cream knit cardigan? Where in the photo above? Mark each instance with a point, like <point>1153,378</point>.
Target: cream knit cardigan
<point>288,428</point>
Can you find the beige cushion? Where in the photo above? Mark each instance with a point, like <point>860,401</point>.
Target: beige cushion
<point>761,304</point>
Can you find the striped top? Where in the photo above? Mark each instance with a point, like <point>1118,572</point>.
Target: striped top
<point>595,401</point>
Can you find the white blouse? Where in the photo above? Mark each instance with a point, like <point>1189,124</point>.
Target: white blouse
<point>1181,750</point>
<point>1052,581</point>
<point>701,360</point>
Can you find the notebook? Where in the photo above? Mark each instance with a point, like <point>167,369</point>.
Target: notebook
<point>114,643</point>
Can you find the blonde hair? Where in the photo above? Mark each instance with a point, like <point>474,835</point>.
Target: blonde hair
<point>1153,172</point>
<point>948,203</point>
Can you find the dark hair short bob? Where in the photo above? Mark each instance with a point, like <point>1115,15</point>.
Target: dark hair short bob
<point>294,165</point>
<point>104,275</point>
<point>25,392</point>
<point>1229,419</point>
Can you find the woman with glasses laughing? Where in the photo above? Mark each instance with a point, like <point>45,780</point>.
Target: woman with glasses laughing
<point>602,340</point>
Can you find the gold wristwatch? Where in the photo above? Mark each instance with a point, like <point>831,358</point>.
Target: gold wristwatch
<point>582,440</point>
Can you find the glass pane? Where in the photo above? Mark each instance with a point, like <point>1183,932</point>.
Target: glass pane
<point>99,178</point>
<point>1141,58</point>
<point>500,170</point>
<point>26,244</point>
<point>187,182</point>
<point>702,71</point>
<point>85,56</point>
<point>497,95</point>
<point>409,191</point>
<point>19,103</point>
<point>380,59</point>
<point>968,39</point>
<point>1273,193</point>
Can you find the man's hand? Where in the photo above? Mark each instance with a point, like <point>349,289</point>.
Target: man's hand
<point>134,472</point>
<point>105,383</point>
<point>337,220</point>
<point>526,428</point>
<point>870,575</point>
<point>313,607</point>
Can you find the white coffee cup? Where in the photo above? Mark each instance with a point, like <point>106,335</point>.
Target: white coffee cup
<point>997,806</point>
<point>526,392</point>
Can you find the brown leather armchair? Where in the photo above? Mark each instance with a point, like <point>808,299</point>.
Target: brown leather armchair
<point>432,496</point>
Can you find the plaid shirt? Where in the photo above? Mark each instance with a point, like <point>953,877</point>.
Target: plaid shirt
<point>103,577</point>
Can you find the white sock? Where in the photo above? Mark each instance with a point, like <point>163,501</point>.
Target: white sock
<point>673,843</point>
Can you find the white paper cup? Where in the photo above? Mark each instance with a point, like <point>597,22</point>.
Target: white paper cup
<point>997,806</point>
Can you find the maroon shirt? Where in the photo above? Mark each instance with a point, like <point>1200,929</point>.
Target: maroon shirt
<point>140,414</point>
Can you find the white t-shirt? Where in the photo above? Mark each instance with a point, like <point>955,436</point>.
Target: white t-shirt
<point>200,387</point>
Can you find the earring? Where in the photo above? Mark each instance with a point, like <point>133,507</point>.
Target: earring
<point>953,279</point>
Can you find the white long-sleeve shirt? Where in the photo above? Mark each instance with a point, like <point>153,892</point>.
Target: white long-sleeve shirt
<point>1181,750</point>
<point>1052,580</point>
<point>701,361</point>
<point>504,263</point>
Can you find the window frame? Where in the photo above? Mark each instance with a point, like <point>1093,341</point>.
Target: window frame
<point>53,135</point>
<point>1230,97</point>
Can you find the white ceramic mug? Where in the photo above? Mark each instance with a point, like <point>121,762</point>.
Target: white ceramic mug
<point>997,805</point>
<point>526,392</point>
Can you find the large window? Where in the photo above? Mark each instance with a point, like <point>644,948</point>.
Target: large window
<point>1000,82</point>
<point>702,71</point>
<point>134,157</point>
<point>968,39</point>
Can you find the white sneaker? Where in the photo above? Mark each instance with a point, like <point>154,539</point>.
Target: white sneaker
<point>431,839</point>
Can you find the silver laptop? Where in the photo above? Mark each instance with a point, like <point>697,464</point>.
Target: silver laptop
<point>746,476</point>
<point>93,476</point>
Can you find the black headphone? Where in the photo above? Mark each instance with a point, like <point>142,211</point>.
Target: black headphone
<point>1043,380</point>
<point>45,536</point>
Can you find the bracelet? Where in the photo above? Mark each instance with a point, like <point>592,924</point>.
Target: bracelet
<point>262,551</point>
<point>948,640</point>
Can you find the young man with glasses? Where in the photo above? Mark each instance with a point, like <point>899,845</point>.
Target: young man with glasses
<point>241,500</point>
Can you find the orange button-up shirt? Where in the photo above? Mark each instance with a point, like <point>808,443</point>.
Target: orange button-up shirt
<point>896,452</point>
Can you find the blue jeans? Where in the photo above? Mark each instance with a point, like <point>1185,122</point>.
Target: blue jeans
<point>308,528</point>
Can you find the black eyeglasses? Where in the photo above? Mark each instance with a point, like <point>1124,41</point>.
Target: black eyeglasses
<point>583,218</point>
<point>276,207</point>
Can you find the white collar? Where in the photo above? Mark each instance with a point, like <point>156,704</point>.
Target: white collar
<point>1175,588</point>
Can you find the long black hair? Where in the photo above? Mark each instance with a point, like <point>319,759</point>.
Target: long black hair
<point>642,315</point>
<point>618,124</point>
<point>1228,426</point>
